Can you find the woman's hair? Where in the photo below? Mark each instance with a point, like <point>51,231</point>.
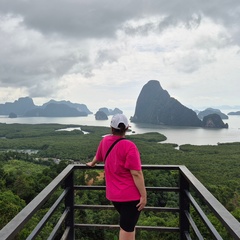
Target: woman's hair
<point>121,131</point>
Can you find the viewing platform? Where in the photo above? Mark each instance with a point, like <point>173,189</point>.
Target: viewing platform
<point>194,209</point>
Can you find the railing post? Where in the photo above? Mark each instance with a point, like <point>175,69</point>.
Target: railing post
<point>69,204</point>
<point>184,205</point>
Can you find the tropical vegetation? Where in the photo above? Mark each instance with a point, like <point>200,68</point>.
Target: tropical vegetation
<point>32,155</point>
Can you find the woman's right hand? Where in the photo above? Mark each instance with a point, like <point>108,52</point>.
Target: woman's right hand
<point>142,203</point>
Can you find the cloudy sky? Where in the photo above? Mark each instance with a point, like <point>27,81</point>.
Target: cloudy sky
<point>102,52</point>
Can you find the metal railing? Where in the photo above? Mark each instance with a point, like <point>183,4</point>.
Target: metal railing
<point>189,189</point>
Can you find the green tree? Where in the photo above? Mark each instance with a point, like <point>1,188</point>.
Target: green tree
<point>10,205</point>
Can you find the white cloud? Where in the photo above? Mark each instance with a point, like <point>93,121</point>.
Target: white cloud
<point>101,53</point>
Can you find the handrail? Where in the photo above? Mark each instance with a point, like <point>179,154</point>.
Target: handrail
<point>44,220</point>
<point>156,209</point>
<point>19,221</point>
<point>152,228</point>
<point>187,181</point>
<point>226,218</point>
<point>203,216</point>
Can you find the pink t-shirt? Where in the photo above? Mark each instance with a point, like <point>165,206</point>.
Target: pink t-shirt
<point>123,157</point>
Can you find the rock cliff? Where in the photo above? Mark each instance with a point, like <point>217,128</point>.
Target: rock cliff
<point>214,121</point>
<point>155,105</point>
<point>100,115</point>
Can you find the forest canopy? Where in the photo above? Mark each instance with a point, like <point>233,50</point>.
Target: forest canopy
<point>31,156</point>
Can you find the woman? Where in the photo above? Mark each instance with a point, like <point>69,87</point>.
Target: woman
<point>125,185</point>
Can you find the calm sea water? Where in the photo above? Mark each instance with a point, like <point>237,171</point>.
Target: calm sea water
<point>178,135</point>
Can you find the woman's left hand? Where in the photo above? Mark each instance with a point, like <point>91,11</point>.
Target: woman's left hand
<point>90,164</point>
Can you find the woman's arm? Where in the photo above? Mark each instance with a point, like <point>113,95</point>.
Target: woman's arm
<point>140,184</point>
<point>92,163</point>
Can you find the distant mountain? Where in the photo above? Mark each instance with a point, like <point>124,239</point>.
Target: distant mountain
<point>234,113</point>
<point>110,111</point>
<point>55,110</point>
<point>79,107</point>
<point>228,107</point>
<point>208,111</point>
<point>155,105</point>
<point>19,107</point>
<point>25,107</point>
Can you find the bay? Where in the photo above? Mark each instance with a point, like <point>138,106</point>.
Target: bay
<point>177,135</point>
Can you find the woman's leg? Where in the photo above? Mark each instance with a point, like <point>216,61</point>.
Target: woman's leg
<point>123,235</point>
<point>129,215</point>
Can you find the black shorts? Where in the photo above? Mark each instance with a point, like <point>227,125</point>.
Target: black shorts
<point>129,214</point>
